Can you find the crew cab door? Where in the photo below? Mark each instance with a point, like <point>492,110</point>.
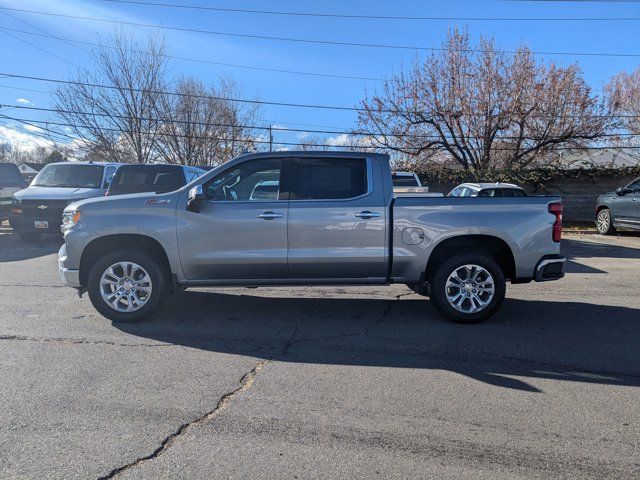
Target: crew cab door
<point>240,232</point>
<point>337,220</point>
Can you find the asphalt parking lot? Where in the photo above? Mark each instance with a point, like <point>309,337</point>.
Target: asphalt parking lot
<point>324,382</point>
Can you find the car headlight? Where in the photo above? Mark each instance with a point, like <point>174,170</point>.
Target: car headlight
<point>69,219</point>
<point>16,206</point>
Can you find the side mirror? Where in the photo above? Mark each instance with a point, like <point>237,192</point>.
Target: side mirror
<point>195,195</point>
<point>621,191</point>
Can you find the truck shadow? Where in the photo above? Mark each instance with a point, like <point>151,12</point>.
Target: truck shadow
<point>12,249</point>
<point>568,341</point>
<point>576,248</point>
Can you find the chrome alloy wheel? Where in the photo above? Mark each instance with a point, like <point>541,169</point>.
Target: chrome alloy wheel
<point>603,220</point>
<point>125,286</point>
<point>470,288</point>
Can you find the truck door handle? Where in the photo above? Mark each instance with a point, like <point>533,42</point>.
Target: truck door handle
<point>269,215</point>
<point>367,214</point>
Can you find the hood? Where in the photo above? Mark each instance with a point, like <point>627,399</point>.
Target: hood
<point>8,191</point>
<point>137,200</point>
<point>57,193</point>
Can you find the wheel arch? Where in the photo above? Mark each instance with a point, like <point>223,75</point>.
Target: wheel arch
<point>109,243</point>
<point>485,244</point>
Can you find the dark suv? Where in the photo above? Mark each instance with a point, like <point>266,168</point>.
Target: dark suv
<point>156,178</point>
<point>10,182</point>
<point>619,209</point>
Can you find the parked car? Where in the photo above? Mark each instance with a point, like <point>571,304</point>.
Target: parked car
<point>10,182</point>
<point>488,190</point>
<point>155,178</point>
<point>336,223</point>
<point>619,209</point>
<point>38,208</point>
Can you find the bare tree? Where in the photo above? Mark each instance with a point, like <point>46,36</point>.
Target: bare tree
<point>202,126</point>
<point>483,107</point>
<point>37,154</point>
<point>624,99</point>
<point>120,122</point>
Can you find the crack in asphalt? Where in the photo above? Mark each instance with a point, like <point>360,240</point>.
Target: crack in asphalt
<point>387,310</point>
<point>246,382</point>
<point>81,341</point>
<point>31,285</point>
<point>290,341</point>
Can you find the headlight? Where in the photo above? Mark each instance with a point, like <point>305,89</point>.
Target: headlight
<point>69,219</point>
<point>16,206</point>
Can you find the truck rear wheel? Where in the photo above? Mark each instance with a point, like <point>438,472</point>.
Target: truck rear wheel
<point>126,286</point>
<point>468,288</point>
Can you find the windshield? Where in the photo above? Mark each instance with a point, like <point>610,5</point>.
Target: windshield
<point>10,175</point>
<point>78,176</point>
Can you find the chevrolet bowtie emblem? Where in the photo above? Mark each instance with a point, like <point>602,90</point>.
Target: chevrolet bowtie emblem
<point>42,207</point>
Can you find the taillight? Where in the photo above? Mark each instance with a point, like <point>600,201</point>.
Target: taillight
<point>556,209</point>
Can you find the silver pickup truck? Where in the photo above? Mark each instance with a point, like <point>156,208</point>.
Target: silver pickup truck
<point>307,218</point>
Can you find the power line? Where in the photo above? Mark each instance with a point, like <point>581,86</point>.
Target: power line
<point>267,142</point>
<point>24,89</point>
<point>375,17</point>
<point>239,100</point>
<point>35,27</point>
<point>273,123</point>
<point>199,60</point>
<point>257,127</point>
<point>37,133</point>
<point>265,128</point>
<point>248,140</point>
<point>305,40</point>
<point>39,48</point>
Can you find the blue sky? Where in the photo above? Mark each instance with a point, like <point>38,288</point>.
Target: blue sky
<point>18,57</point>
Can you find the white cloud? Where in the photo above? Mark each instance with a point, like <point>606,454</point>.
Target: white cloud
<point>302,135</point>
<point>341,140</point>
<point>22,140</point>
<point>24,101</point>
<point>33,128</point>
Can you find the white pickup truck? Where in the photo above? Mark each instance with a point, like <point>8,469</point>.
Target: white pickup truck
<point>307,218</point>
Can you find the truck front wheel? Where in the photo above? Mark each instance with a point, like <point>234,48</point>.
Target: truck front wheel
<point>126,286</point>
<point>468,288</point>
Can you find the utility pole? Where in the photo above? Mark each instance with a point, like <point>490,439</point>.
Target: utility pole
<point>270,139</point>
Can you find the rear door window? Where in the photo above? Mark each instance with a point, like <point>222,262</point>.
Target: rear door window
<point>328,178</point>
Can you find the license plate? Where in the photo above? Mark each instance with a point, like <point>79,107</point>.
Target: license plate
<point>41,224</point>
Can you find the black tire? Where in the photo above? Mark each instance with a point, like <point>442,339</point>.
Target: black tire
<point>152,267</point>
<point>604,224</point>
<point>438,292</point>
<point>30,237</point>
